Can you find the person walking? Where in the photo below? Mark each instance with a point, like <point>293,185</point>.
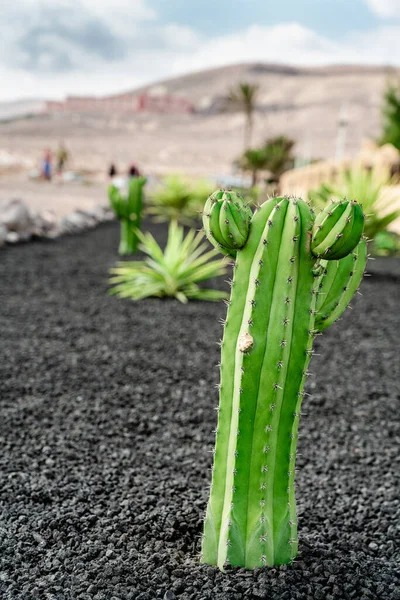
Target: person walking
<point>112,171</point>
<point>133,171</point>
<point>46,165</point>
<point>62,157</point>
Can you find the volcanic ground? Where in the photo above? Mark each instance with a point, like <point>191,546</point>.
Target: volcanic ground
<point>107,412</point>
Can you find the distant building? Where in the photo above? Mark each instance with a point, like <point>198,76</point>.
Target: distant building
<point>123,103</point>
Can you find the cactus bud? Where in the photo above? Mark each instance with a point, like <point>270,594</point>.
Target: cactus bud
<point>337,230</point>
<point>226,221</point>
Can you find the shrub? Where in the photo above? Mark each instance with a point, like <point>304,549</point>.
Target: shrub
<point>391,115</point>
<point>175,272</point>
<point>367,187</point>
<point>180,199</point>
<point>274,156</point>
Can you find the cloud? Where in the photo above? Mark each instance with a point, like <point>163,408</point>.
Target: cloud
<point>63,51</point>
<point>286,43</point>
<point>385,8</point>
<point>293,44</point>
<point>57,44</point>
<point>46,36</point>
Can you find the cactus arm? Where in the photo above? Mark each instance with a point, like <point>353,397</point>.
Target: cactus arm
<point>228,226</point>
<point>345,244</point>
<point>211,228</point>
<point>226,221</point>
<point>338,284</point>
<point>337,230</point>
<point>239,222</point>
<point>324,223</point>
<point>330,230</point>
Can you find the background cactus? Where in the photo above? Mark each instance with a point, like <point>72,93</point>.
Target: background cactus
<point>128,210</point>
<point>282,296</point>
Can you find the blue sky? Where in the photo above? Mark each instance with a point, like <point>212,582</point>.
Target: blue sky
<point>333,18</point>
<point>51,48</point>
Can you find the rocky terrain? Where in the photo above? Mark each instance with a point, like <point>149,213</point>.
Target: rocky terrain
<point>20,223</point>
<point>107,426</point>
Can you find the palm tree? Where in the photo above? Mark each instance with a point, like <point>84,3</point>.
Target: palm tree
<point>279,158</point>
<point>253,160</point>
<point>275,156</point>
<point>244,97</point>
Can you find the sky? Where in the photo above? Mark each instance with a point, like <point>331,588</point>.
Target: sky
<point>51,48</point>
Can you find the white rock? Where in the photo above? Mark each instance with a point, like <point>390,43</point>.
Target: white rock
<point>12,237</point>
<point>96,213</point>
<point>45,224</point>
<point>16,216</point>
<point>108,213</point>
<point>77,221</point>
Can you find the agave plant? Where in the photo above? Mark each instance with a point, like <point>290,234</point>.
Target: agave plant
<point>180,199</point>
<point>174,272</point>
<point>367,187</point>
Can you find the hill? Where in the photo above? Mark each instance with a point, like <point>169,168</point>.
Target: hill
<point>304,103</point>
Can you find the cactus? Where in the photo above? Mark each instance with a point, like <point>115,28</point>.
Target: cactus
<point>337,230</point>
<point>283,294</point>
<point>227,220</point>
<point>128,210</point>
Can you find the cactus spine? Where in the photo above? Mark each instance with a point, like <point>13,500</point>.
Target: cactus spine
<point>265,352</point>
<point>128,210</point>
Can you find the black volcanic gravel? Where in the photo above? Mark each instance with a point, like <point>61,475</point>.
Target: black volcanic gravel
<point>106,427</point>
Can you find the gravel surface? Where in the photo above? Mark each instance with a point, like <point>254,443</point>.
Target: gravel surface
<point>106,426</point>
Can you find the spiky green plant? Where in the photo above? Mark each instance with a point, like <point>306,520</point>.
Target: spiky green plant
<point>285,290</point>
<point>175,272</point>
<point>179,198</point>
<point>128,209</point>
<point>367,187</point>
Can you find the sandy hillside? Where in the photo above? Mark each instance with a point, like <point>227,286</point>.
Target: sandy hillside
<point>302,103</point>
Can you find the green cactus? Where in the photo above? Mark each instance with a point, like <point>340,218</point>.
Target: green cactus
<point>337,230</point>
<point>128,210</point>
<point>226,222</point>
<point>282,295</point>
